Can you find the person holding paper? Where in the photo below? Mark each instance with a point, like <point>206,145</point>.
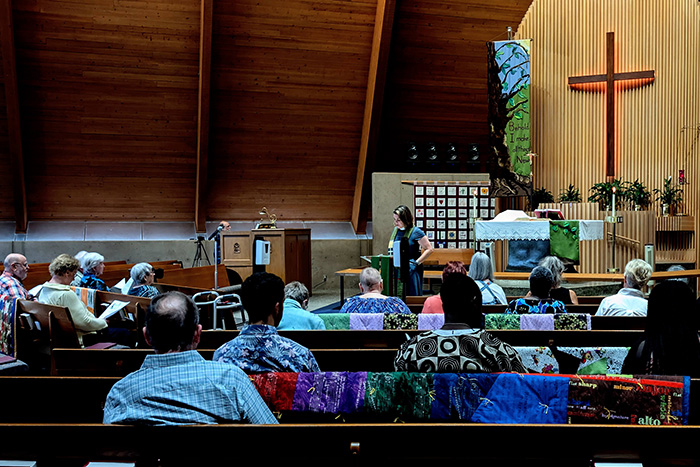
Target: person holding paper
<point>142,275</point>
<point>419,247</point>
<point>58,292</point>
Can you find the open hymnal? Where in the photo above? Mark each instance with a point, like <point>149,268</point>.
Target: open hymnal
<point>115,307</point>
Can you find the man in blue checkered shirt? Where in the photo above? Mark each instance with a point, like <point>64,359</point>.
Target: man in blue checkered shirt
<point>176,386</point>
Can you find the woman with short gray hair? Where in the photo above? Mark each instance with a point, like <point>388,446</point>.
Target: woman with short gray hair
<point>142,275</point>
<point>93,265</point>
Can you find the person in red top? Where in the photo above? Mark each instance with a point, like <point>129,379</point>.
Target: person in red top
<point>433,304</point>
<point>16,269</point>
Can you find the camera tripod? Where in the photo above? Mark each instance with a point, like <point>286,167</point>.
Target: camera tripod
<point>198,255</point>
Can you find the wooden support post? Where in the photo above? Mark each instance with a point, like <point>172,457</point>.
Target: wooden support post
<point>205,33</point>
<point>381,43</point>
<point>7,50</point>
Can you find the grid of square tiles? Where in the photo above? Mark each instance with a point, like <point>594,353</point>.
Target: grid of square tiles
<point>443,211</point>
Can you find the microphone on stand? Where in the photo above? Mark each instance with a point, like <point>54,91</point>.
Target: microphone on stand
<point>218,229</point>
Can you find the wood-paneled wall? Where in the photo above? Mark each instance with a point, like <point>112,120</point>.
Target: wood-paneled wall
<point>7,210</point>
<point>108,93</point>
<point>658,126</point>
<point>436,84</point>
<point>288,93</point>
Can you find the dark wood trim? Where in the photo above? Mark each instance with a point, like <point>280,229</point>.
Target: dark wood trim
<point>381,45</point>
<point>7,47</point>
<point>205,34</point>
<point>610,105</point>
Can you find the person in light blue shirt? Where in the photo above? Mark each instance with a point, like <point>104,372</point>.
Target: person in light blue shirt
<point>295,316</point>
<point>258,348</point>
<point>176,386</point>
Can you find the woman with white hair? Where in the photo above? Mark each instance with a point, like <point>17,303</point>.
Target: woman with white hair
<point>371,299</point>
<point>93,265</point>
<point>630,300</point>
<point>481,271</point>
<point>142,275</point>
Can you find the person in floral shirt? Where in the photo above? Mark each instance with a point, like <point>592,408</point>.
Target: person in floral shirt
<point>258,348</point>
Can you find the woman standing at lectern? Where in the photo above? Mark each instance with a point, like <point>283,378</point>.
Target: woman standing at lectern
<point>419,247</point>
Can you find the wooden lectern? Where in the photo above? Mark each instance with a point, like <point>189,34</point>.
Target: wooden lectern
<point>290,253</point>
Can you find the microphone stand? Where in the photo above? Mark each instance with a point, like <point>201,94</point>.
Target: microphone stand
<point>217,242</point>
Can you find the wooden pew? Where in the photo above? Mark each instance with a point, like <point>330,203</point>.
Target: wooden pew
<point>121,362</point>
<point>590,309</point>
<point>80,399</point>
<point>110,362</point>
<point>352,444</point>
<point>199,277</point>
<point>582,300</point>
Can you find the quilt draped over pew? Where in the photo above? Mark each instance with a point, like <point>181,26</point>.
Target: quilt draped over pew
<point>479,397</point>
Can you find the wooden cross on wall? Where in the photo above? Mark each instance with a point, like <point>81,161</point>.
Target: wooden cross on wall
<point>634,79</point>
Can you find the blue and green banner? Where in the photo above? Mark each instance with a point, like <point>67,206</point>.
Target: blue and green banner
<point>509,119</point>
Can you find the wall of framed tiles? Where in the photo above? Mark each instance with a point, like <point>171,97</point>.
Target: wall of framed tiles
<point>443,211</point>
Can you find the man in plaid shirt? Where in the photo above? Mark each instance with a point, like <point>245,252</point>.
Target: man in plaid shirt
<point>16,269</point>
<point>176,386</point>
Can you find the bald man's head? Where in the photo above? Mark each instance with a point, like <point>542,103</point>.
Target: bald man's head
<point>16,265</point>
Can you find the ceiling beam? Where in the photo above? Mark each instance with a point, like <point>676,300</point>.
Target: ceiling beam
<point>379,59</point>
<point>7,49</point>
<point>205,35</point>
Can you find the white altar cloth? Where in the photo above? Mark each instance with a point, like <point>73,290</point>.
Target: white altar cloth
<point>532,230</point>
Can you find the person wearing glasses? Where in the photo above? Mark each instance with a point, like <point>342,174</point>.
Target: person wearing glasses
<point>16,269</point>
<point>142,275</point>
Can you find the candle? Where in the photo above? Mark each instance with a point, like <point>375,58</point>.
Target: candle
<point>614,189</point>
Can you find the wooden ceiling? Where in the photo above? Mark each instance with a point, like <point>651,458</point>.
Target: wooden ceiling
<point>201,109</point>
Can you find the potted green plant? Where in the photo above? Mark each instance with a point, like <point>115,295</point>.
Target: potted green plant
<point>570,195</point>
<point>670,197</point>
<point>541,195</point>
<point>602,193</point>
<point>638,194</point>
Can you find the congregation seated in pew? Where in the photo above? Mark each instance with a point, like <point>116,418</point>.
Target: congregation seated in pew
<point>176,385</point>
<point>670,344</point>
<point>371,299</point>
<point>564,295</point>
<point>460,345</point>
<point>142,276</point>
<point>92,265</point>
<point>629,300</point>
<point>90,328</point>
<point>538,298</point>
<point>433,304</point>
<point>295,316</point>
<point>16,269</point>
<point>481,271</point>
<point>258,347</point>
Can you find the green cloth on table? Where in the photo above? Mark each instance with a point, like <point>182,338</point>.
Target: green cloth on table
<point>564,239</point>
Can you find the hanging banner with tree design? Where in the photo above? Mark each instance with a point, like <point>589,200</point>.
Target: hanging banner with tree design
<point>509,117</point>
